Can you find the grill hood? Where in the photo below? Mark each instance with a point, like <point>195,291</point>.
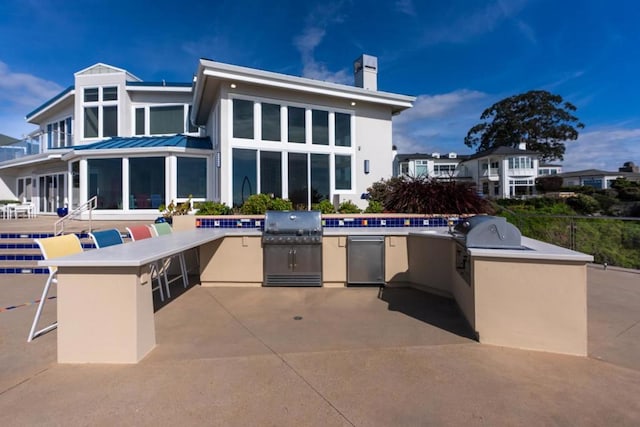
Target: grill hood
<point>294,223</point>
<point>491,232</point>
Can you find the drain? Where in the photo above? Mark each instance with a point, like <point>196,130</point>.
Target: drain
<point>297,317</point>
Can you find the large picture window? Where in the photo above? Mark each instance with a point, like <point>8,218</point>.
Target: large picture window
<point>192,177</point>
<point>271,173</point>
<point>298,184</point>
<point>100,112</point>
<point>244,175</point>
<point>343,130</point>
<point>319,177</point>
<point>270,122</point>
<point>105,182</point>
<point>146,182</point>
<point>320,127</point>
<point>110,121</point>
<point>166,120</point>
<point>343,172</point>
<point>296,121</point>
<point>242,119</point>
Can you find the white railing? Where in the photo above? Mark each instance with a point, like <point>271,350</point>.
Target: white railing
<point>89,205</point>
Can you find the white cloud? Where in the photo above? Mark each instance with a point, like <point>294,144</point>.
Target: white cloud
<point>406,6</point>
<point>439,123</point>
<point>19,94</point>
<point>312,36</point>
<point>23,91</point>
<point>477,22</point>
<point>607,148</point>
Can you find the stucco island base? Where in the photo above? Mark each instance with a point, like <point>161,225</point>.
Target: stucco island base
<point>105,315</point>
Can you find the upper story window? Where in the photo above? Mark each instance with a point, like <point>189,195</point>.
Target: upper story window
<point>100,112</point>
<point>242,119</point>
<point>163,120</point>
<point>264,118</point>
<point>444,169</point>
<point>59,134</point>
<point>520,163</point>
<point>421,168</point>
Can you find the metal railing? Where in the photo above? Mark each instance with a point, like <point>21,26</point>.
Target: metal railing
<point>89,205</point>
<point>611,240</point>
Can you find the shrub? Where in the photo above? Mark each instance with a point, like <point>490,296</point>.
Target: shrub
<point>324,206</point>
<point>374,207</point>
<point>258,204</point>
<point>212,208</point>
<point>173,209</point>
<point>584,204</point>
<point>348,207</point>
<point>278,204</point>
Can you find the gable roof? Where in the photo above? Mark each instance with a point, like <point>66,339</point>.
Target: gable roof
<point>59,97</point>
<point>502,151</point>
<point>182,141</point>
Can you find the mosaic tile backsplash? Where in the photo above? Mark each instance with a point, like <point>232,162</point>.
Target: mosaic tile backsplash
<point>329,222</point>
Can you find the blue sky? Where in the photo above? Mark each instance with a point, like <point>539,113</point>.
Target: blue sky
<point>457,56</point>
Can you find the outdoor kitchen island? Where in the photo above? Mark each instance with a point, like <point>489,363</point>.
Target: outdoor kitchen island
<point>533,299</point>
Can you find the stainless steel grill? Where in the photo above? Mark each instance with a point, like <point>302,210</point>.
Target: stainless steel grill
<point>483,231</point>
<point>292,248</point>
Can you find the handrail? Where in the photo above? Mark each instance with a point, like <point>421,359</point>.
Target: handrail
<point>89,205</point>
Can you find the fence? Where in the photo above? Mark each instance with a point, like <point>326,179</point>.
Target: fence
<point>611,240</point>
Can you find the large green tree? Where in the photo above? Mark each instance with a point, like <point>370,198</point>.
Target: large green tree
<point>541,119</point>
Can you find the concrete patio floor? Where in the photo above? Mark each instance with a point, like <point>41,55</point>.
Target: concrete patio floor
<point>325,357</point>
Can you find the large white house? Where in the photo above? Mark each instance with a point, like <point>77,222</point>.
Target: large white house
<point>500,172</point>
<point>231,132</point>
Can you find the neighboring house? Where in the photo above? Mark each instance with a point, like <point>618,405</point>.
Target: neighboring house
<point>598,179</point>
<point>545,169</point>
<point>232,132</point>
<point>503,172</point>
<point>435,165</point>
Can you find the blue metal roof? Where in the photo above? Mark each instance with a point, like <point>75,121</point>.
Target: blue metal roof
<point>49,102</point>
<point>184,141</point>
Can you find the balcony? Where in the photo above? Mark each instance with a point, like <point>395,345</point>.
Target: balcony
<point>35,144</point>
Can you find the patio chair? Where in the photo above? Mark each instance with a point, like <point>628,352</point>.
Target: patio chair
<point>161,229</point>
<point>52,247</point>
<point>141,232</point>
<point>105,238</point>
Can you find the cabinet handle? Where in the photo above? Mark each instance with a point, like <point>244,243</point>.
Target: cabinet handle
<point>295,264</point>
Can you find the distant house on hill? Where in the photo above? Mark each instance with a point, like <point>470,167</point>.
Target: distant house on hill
<point>598,179</point>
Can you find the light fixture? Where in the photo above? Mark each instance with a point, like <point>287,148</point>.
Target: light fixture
<point>366,166</point>
<point>232,85</point>
<point>353,103</point>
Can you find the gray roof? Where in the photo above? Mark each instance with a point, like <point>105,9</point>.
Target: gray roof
<point>6,139</point>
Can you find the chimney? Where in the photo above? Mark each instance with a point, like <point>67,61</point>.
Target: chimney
<point>365,70</point>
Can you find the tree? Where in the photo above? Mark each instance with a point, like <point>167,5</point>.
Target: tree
<point>539,118</point>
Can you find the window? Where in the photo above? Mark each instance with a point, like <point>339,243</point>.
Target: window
<point>343,172</point>
<point>404,168</point>
<point>91,122</point>
<point>270,122</point>
<point>298,184</point>
<point>146,182</point>
<point>296,121</point>
<point>91,94</point>
<point>100,112</point>
<point>271,173</point>
<point>242,119</point>
<point>320,127</point>
<point>192,177</point>
<point>110,93</point>
<point>166,120</point>
<point>343,130</point>
<point>421,168</point>
<point>244,175</point>
<point>75,184</point>
<point>446,170</point>
<point>105,182</point>
<point>520,163</point>
<point>110,121</point>
<point>319,177</point>
<point>140,119</point>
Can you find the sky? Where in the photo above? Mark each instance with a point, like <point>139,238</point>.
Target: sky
<point>458,57</point>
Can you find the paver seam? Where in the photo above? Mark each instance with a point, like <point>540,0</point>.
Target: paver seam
<point>24,381</point>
